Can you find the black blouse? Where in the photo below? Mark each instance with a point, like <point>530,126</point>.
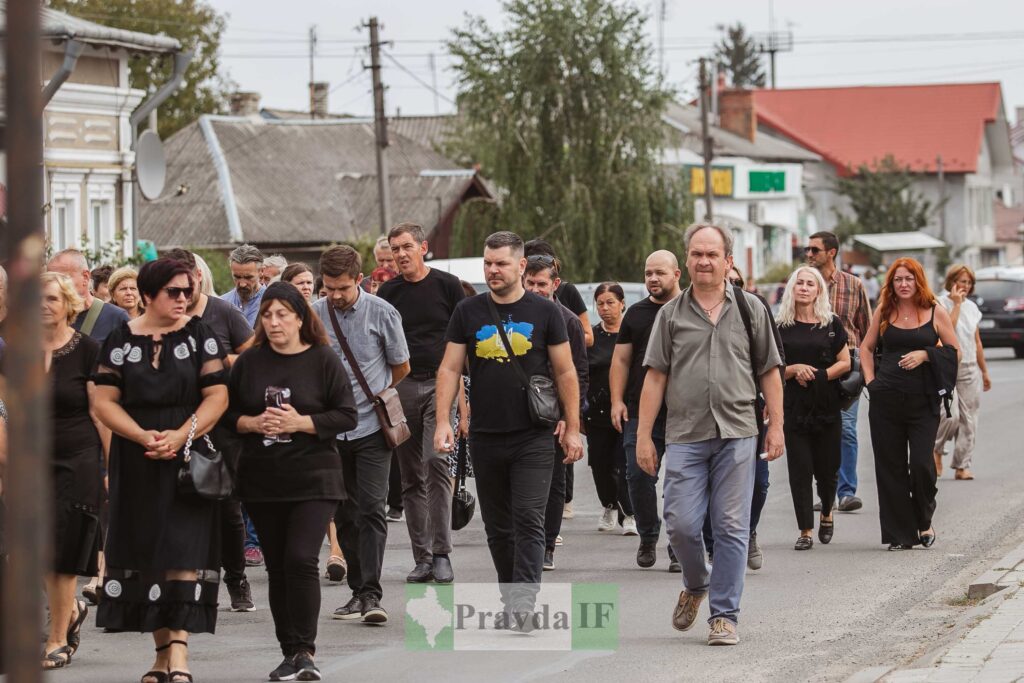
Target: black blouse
<point>70,372</point>
<point>819,347</point>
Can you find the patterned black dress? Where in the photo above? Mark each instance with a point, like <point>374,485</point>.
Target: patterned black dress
<point>154,528</point>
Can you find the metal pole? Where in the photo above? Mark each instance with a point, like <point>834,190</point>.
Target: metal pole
<point>706,137</point>
<point>772,53</point>
<point>381,129</point>
<point>27,480</point>
<point>312,52</point>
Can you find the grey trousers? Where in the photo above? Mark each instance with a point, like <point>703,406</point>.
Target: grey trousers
<point>720,471</point>
<point>426,486</point>
<point>963,426</point>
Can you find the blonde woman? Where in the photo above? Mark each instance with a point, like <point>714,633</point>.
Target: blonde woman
<point>69,359</point>
<point>816,357</point>
<point>124,291</point>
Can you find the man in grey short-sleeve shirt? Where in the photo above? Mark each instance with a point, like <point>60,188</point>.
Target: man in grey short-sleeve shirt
<point>699,363</point>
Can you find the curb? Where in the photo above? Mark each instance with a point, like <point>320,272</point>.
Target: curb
<point>1004,573</point>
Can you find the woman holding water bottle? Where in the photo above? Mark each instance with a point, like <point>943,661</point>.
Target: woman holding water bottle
<point>290,397</point>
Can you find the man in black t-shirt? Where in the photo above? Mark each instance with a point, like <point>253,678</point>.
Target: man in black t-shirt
<point>426,298</point>
<point>512,457</point>
<point>626,381</point>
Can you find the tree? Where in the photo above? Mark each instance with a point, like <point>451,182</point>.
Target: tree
<point>737,54</point>
<point>196,25</point>
<point>882,199</point>
<point>562,109</point>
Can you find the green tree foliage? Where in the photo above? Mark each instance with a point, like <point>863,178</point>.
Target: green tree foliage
<point>737,54</point>
<point>881,199</point>
<point>562,111</point>
<point>195,24</point>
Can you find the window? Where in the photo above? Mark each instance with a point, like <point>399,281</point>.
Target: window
<point>100,229</point>
<point>63,226</point>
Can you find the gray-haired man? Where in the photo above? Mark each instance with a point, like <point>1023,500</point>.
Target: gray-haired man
<point>273,266</point>
<point>702,364</point>
<point>246,264</point>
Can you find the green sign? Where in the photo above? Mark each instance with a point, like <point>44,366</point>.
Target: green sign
<point>767,181</point>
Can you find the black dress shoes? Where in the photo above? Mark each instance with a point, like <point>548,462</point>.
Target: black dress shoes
<point>825,531</point>
<point>442,570</point>
<point>928,540</point>
<point>421,573</point>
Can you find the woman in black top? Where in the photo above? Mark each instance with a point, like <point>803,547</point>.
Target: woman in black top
<point>159,377</point>
<point>606,455</point>
<point>904,413</point>
<point>75,455</point>
<point>816,357</point>
<point>290,475</point>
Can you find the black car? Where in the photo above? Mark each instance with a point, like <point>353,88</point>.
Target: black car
<point>1001,300</point>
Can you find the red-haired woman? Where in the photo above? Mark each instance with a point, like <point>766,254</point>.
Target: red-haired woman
<point>904,413</point>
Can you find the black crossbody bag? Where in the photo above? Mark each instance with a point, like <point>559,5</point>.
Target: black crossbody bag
<point>541,393</point>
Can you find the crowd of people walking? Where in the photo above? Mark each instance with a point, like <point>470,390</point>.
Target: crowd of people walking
<point>198,436</point>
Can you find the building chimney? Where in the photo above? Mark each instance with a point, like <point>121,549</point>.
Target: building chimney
<point>245,103</point>
<point>736,113</point>
<point>318,99</point>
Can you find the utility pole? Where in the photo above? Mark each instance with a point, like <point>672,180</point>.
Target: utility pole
<point>312,55</point>
<point>433,83</point>
<point>381,129</point>
<point>942,197</point>
<point>706,137</point>
<point>661,39</point>
<point>27,477</point>
<point>774,41</point>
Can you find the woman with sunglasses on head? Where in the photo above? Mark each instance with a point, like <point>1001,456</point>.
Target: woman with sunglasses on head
<point>904,415</point>
<point>290,474</point>
<point>160,380</point>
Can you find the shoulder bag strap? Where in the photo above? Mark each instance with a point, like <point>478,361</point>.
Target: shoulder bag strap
<point>520,373</point>
<point>460,471</point>
<point>348,354</point>
<point>741,302</point>
<point>91,317</point>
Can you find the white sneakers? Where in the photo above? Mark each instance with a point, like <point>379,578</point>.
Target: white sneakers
<point>629,526</point>
<point>607,522</point>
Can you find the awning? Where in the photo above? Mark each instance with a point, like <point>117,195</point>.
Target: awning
<point>899,241</point>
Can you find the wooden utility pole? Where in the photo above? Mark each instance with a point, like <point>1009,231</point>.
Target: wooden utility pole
<point>381,129</point>
<point>706,137</point>
<point>312,56</point>
<point>27,477</point>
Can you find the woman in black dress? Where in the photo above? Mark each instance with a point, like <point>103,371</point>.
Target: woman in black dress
<point>606,455</point>
<point>158,377</point>
<point>290,473</point>
<point>77,450</point>
<point>814,342</point>
<point>904,413</point>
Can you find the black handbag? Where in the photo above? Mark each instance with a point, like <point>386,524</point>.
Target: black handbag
<point>204,474</point>
<point>463,502</point>
<point>541,393</point>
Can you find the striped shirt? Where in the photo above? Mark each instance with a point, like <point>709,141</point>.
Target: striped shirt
<point>850,304</point>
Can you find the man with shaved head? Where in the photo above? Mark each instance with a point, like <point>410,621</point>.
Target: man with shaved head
<point>626,379</point>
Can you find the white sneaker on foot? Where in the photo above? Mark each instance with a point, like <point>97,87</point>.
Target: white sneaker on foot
<point>629,526</point>
<point>607,522</point>
<point>558,539</point>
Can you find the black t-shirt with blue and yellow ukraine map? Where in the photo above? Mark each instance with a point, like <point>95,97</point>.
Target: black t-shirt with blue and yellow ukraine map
<point>532,324</point>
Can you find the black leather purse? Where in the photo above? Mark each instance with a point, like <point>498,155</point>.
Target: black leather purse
<point>541,392</point>
<point>463,502</point>
<point>204,474</point>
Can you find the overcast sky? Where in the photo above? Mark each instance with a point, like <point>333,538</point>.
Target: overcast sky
<point>266,48</point>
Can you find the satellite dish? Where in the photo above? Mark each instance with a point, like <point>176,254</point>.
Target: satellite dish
<point>150,164</point>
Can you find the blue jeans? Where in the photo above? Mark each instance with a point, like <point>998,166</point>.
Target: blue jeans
<point>848,454</point>
<point>756,504</point>
<point>712,478</point>
<point>251,539</point>
<point>643,488</point>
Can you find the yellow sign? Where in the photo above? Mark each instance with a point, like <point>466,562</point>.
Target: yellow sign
<point>721,181</point>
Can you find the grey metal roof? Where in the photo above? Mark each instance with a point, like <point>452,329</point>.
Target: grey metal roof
<point>58,25</point>
<point>684,123</point>
<point>293,182</point>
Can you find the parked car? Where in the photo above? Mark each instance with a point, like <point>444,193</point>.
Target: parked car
<point>470,269</point>
<point>634,291</point>
<point>1001,300</point>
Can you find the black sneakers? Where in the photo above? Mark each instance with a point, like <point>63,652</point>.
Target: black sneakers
<point>305,668</point>
<point>372,612</point>
<point>353,609</point>
<point>285,671</point>
<point>673,564</point>
<point>647,554</point>
<point>549,560</point>
<point>241,597</point>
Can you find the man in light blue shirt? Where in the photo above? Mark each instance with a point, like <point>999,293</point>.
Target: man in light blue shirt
<point>372,329</point>
<point>246,264</point>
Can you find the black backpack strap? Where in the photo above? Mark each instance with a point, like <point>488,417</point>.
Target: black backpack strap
<point>748,325</point>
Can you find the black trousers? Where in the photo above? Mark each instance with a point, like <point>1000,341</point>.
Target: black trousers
<point>513,479</point>
<point>360,519</point>
<point>556,498</point>
<point>813,457</point>
<point>291,534</point>
<point>570,478</point>
<point>232,541</point>
<point>395,484</point>
<point>903,428</point>
<point>607,459</point>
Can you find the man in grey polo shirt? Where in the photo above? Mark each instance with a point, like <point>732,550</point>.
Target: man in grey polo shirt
<point>373,330</point>
<point>701,363</point>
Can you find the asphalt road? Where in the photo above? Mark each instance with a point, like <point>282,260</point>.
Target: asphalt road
<point>818,615</point>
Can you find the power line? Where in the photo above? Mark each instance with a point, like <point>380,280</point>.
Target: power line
<point>418,79</point>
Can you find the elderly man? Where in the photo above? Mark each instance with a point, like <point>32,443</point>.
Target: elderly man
<point>98,319</point>
<point>707,355</point>
<point>273,266</point>
<point>246,264</point>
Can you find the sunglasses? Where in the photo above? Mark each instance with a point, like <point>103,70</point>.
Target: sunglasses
<point>175,292</point>
<point>813,250</point>
<point>541,258</point>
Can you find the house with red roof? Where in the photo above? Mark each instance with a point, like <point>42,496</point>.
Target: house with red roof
<point>954,137</point>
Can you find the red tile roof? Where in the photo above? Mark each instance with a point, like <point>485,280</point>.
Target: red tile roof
<point>862,125</point>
